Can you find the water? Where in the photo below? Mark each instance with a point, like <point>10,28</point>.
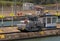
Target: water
<point>8,23</point>
<point>55,38</point>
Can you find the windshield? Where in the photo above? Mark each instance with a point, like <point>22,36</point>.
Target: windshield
<point>53,20</point>
<point>49,20</point>
<point>33,18</point>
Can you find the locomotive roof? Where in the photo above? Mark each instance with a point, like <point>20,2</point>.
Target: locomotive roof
<point>49,15</point>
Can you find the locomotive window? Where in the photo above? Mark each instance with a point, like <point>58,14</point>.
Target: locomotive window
<point>53,20</point>
<point>48,20</point>
<point>59,19</point>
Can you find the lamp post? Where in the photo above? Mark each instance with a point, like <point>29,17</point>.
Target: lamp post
<point>13,7</point>
<point>57,9</point>
<point>12,14</point>
<point>57,6</point>
<point>15,10</point>
<point>2,14</point>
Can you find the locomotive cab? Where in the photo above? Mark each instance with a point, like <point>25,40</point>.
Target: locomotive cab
<point>49,21</point>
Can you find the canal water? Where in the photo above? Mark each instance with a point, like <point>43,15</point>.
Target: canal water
<point>9,23</point>
<point>55,38</point>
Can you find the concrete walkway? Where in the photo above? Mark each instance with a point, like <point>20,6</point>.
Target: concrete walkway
<point>8,29</point>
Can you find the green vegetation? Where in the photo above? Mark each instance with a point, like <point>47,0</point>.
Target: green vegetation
<point>8,3</point>
<point>19,2</point>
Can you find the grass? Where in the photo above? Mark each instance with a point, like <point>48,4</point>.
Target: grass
<point>49,5</point>
<point>20,3</point>
<point>9,2</point>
